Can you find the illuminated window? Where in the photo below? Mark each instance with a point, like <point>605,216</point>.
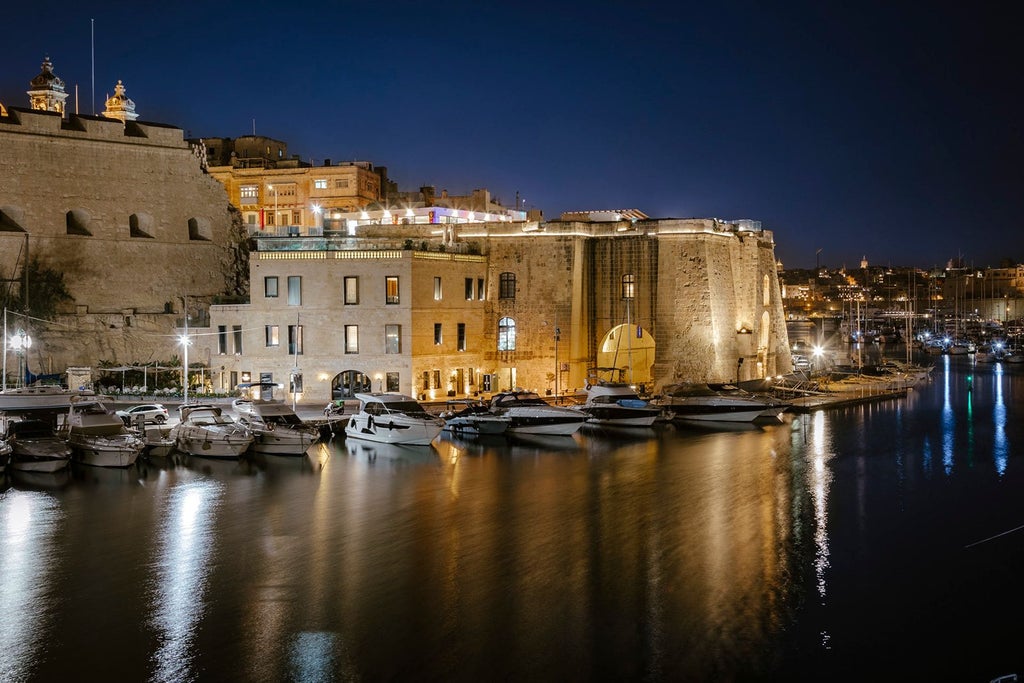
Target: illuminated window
<point>271,333</point>
<point>391,289</point>
<point>249,194</point>
<point>437,289</point>
<point>506,334</point>
<point>351,339</point>
<point>320,183</point>
<point>628,286</point>
<point>392,381</point>
<point>392,339</point>
<point>351,290</point>
<point>507,286</point>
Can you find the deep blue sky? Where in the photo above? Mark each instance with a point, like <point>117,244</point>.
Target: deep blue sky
<point>889,130</point>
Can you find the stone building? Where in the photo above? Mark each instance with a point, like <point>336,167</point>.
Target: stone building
<point>462,309</point>
<point>122,210</point>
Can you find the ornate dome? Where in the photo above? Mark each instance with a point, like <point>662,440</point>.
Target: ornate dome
<point>46,78</point>
<point>120,106</point>
<point>47,93</point>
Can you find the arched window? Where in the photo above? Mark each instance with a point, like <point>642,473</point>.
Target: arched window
<point>507,286</point>
<point>506,334</point>
<point>629,286</point>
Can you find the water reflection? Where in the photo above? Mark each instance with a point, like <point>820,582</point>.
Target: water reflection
<point>819,479</point>
<point>29,523</point>
<point>948,421</point>
<point>186,544</point>
<point>999,445</point>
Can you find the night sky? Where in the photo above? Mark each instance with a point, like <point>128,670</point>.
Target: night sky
<point>888,130</point>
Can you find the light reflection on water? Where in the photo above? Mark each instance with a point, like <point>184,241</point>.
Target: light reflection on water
<point>30,523</point>
<point>796,549</point>
<point>182,568</point>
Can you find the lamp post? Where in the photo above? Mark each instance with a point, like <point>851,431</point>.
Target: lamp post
<point>20,344</point>
<point>184,340</point>
<point>317,211</point>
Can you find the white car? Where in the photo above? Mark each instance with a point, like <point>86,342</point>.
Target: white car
<point>147,412</point>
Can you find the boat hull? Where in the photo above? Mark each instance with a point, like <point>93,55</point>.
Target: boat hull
<point>118,450</point>
<point>284,441</point>
<point>392,429</point>
<point>206,445</point>
<point>476,425</point>
<point>544,424</point>
<point>611,415</point>
<point>39,463</point>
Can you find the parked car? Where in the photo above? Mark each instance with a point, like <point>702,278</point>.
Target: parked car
<point>147,412</point>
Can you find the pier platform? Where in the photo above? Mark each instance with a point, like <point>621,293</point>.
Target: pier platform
<point>807,404</point>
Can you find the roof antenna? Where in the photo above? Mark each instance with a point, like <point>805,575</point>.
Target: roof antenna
<point>92,38</point>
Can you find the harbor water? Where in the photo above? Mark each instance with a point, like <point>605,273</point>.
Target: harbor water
<point>872,542</point>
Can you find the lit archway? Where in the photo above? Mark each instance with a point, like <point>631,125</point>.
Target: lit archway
<point>630,349</point>
<point>348,382</point>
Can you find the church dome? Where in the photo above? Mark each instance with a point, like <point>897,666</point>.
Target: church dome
<point>46,78</point>
<point>120,106</point>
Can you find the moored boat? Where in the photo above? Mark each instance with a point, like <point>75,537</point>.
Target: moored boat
<point>721,403</point>
<point>617,404</point>
<point>392,418</point>
<point>35,397</point>
<point>36,447</point>
<point>97,435</point>
<point>205,431</point>
<point>528,413</point>
<point>276,429</point>
<point>472,418</point>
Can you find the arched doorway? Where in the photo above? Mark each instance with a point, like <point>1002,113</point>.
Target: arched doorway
<point>347,382</point>
<point>630,348</point>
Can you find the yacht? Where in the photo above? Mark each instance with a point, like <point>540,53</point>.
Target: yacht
<point>98,436</point>
<point>528,413</point>
<point>35,397</point>
<point>718,403</point>
<point>35,447</point>
<point>5,453</point>
<point>205,431</point>
<point>276,429</point>
<point>617,404</point>
<point>472,418</point>
<point>392,418</point>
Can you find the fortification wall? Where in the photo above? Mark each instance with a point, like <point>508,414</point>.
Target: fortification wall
<point>125,213</point>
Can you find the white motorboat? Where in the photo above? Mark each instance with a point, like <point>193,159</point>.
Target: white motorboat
<point>617,404</point>
<point>392,418</point>
<point>205,431</point>
<point>97,435</point>
<point>158,439</point>
<point>528,413</point>
<point>35,397</point>
<point>35,447</point>
<point>276,429</point>
<point>472,418</point>
<point>720,403</point>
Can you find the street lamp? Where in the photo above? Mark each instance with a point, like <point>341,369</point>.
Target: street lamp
<point>20,344</point>
<point>185,341</point>
<point>317,211</point>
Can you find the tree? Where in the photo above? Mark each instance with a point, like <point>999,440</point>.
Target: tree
<point>46,291</point>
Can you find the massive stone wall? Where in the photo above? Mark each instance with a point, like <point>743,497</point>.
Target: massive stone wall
<point>128,217</point>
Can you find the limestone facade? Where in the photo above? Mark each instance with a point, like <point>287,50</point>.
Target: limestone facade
<point>496,305</point>
<point>124,211</point>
